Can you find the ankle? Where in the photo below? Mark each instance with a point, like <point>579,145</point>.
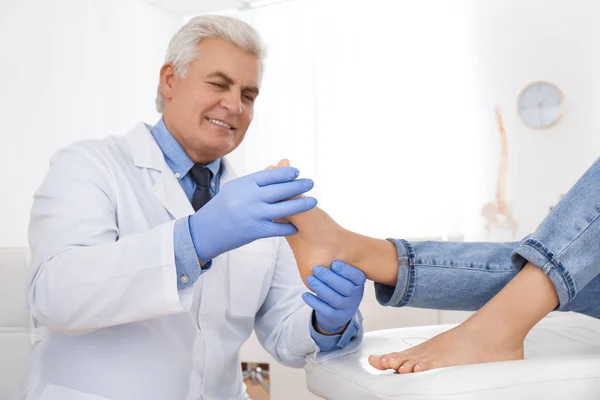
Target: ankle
<point>377,258</point>
<point>348,252</point>
<point>494,331</point>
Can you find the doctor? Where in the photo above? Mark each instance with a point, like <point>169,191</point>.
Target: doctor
<point>152,263</point>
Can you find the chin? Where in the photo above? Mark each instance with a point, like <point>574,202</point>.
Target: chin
<point>216,150</point>
<point>225,144</point>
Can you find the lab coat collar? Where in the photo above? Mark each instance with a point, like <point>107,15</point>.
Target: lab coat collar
<point>144,150</point>
<point>146,153</point>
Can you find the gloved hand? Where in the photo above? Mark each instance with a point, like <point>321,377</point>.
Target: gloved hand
<point>339,293</point>
<point>244,210</point>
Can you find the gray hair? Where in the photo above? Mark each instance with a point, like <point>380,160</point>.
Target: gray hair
<point>183,47</point>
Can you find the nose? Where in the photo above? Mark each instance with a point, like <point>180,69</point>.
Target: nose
<point>232,101</point>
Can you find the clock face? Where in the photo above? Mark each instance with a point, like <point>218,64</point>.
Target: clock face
<point>540,105</point>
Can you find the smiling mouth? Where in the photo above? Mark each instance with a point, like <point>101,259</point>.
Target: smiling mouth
<point>220,123</point>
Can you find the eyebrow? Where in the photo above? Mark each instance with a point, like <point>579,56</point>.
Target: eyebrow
<point>222,75</point>
<point>230,81</point>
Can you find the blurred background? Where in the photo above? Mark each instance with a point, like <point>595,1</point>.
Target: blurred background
<point>390,106</point>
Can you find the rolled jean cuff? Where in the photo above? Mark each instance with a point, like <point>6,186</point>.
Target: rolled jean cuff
<point>534,251</point>
<point>401,294</point>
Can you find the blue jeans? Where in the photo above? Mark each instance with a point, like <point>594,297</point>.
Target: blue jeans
<point>464,276</point>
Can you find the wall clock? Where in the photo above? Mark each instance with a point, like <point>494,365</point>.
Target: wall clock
<point>540,105</point>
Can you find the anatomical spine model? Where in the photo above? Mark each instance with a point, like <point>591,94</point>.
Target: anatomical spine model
<point>497,214</point>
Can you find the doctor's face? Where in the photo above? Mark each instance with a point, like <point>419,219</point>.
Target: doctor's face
<point>209,110</point>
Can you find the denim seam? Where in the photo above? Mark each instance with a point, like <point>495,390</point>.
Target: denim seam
<point>410,281</point>
<point>553,262</point>
<point>499,271</point>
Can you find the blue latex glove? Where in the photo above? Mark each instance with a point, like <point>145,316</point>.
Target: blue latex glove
<point>244,210</point>
<point>339,293</point>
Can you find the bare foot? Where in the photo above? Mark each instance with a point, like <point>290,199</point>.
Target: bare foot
<point>494,333</point>
<point>318,239</point>
<point>464,344</point>
<point>282,163</point>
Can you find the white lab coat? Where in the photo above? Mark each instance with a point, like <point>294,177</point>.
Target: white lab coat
<point>103,286</point>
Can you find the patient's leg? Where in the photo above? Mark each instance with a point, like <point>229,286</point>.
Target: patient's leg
<point>494,333</point>
<point>565,245</point>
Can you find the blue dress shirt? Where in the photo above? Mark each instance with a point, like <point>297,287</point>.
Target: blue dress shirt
<point>186,261</point>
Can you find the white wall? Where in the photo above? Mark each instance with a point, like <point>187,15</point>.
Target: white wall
<point>376,104</point>
<point>517,42</point>
<point>71,69</point>
<point>105,75</point>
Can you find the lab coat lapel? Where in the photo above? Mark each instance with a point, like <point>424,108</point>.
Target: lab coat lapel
<point>147,154</point>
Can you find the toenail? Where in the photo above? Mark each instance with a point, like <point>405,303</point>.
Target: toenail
<point>383,360</point>
<point>392,358</point>
<point>402,367</point>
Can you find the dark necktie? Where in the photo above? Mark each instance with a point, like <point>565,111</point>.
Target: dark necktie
<point>202,176</point>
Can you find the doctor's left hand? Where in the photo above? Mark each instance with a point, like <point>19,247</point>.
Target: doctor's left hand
<point>339,293</point>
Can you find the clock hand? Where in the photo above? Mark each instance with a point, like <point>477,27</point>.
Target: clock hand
<point>545,100</point>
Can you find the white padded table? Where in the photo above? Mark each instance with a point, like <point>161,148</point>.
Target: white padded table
<point>562,361</point>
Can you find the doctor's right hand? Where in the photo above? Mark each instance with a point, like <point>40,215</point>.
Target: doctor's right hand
<point>245,208</point>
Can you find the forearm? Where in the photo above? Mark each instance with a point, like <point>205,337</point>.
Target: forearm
<point>79,288</point>
<point>283,330</point>
<point>282,322</point>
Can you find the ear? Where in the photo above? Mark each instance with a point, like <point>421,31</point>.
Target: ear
<point>167,80</point>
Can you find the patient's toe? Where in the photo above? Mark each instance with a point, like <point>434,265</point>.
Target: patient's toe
<point>395,361</point>
<point>423,366</point>
<point>407,367</point>
<point>375,361</point>
<point>383,361</point>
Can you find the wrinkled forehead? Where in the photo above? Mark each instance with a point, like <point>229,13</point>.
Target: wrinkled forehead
<point>223,57</point>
